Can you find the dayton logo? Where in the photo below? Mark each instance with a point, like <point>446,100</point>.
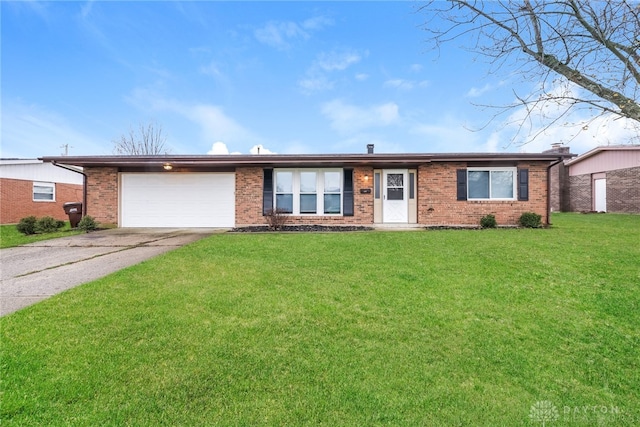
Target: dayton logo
<point>543,412</point>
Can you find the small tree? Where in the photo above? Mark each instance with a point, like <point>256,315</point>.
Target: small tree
<point>146,140</point>
<point>276,218</point>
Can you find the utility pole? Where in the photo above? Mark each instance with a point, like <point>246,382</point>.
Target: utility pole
<point>66,149</point>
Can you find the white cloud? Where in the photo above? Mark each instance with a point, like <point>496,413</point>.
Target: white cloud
<point>280,34</point>
<point>362,77</point>
<point>317,23</point>
<point>349,119</point>
<point>218,148</point>
<point>416,68</point>
<point>260,149</point>
<point>474,92</point>
<point>337,61</point>
<point>403,84</point>
<point>317,76</point>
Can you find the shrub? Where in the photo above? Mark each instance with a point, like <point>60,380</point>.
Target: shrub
<point>530,220</point>
<point>276,218</point>
<point>27,225</point>
<point>48,224</point>
<point>87,223</point>
<point>488,221</point>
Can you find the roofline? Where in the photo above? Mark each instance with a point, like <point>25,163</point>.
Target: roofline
<point>230,160</point>
<point>597,150</point>
<point>16,161</point>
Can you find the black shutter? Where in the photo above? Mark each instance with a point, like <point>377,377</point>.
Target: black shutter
<point>347,193</point>
<point>462,184</point>
<point>267,192</point>
<point>523,184</point>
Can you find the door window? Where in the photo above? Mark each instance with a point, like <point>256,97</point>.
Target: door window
<point>395,186</point>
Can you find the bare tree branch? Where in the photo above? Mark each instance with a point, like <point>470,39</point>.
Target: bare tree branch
<point>593,45</point>
<point>147,140</point>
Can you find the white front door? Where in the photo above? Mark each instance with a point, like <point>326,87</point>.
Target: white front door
<point>395,206</point>
<point>600,195</point>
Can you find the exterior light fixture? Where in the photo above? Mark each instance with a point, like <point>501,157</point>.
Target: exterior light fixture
<point>167,166</point>
<point>366,178</point>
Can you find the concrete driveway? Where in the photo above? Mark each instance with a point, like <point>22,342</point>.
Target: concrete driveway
<point>36,271</point>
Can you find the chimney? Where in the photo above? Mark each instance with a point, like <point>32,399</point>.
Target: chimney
<point>369,148</point>
<point>557,147</point>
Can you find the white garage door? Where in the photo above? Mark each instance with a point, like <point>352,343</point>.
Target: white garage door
<point>177,200</point>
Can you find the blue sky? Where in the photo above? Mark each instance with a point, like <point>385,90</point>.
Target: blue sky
<point>292,77</point>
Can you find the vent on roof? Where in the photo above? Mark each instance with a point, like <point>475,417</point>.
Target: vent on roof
<point>369,148</point>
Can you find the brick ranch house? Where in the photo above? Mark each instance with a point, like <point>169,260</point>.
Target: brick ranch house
<point>605,179</point>
<point>31,187</point>
<point>340,189</point>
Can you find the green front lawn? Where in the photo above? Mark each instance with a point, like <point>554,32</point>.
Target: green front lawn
<point>435,328</point>
<point>10,236</point>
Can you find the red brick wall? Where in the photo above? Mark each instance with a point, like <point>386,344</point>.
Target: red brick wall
<point>580,193</point>
<point>249,182</point>
<point>438,204</point>
<point>623,190</point>
<point>249,196</point>
<point>16,200</point>
<point>102,194</point>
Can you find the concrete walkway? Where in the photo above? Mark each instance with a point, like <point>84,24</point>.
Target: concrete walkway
<point>36,271</point>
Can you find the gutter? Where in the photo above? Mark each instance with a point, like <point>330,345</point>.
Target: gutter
<point>560,159</point>
<point>84,184</point>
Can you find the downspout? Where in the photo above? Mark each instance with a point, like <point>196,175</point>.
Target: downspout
<point>549,188</point>
<point>84,185</point>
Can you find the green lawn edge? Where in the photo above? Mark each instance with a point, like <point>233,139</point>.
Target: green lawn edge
<point>450,327</point>
<point>10,237</point>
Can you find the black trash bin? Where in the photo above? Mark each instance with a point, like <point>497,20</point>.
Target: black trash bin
<point>74,210</point>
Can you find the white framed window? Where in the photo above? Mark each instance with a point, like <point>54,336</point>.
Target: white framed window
<point>308,191</point>
<point>284,191</point>
<point>491,183</point>
<point>44,192</point>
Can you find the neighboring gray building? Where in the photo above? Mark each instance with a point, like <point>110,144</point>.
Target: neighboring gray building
<point>605,179</point>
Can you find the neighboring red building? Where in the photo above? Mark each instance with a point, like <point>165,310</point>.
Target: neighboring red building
<point>341,189</point>
<point>31,187</point>
<point>605,179</point>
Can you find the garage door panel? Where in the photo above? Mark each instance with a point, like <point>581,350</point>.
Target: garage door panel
<point>178,200</point>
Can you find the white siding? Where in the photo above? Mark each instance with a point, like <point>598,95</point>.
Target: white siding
<point>35,170</point>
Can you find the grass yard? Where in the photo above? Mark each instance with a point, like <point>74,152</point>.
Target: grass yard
<point>10,236</point>
<point>434,328</point>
